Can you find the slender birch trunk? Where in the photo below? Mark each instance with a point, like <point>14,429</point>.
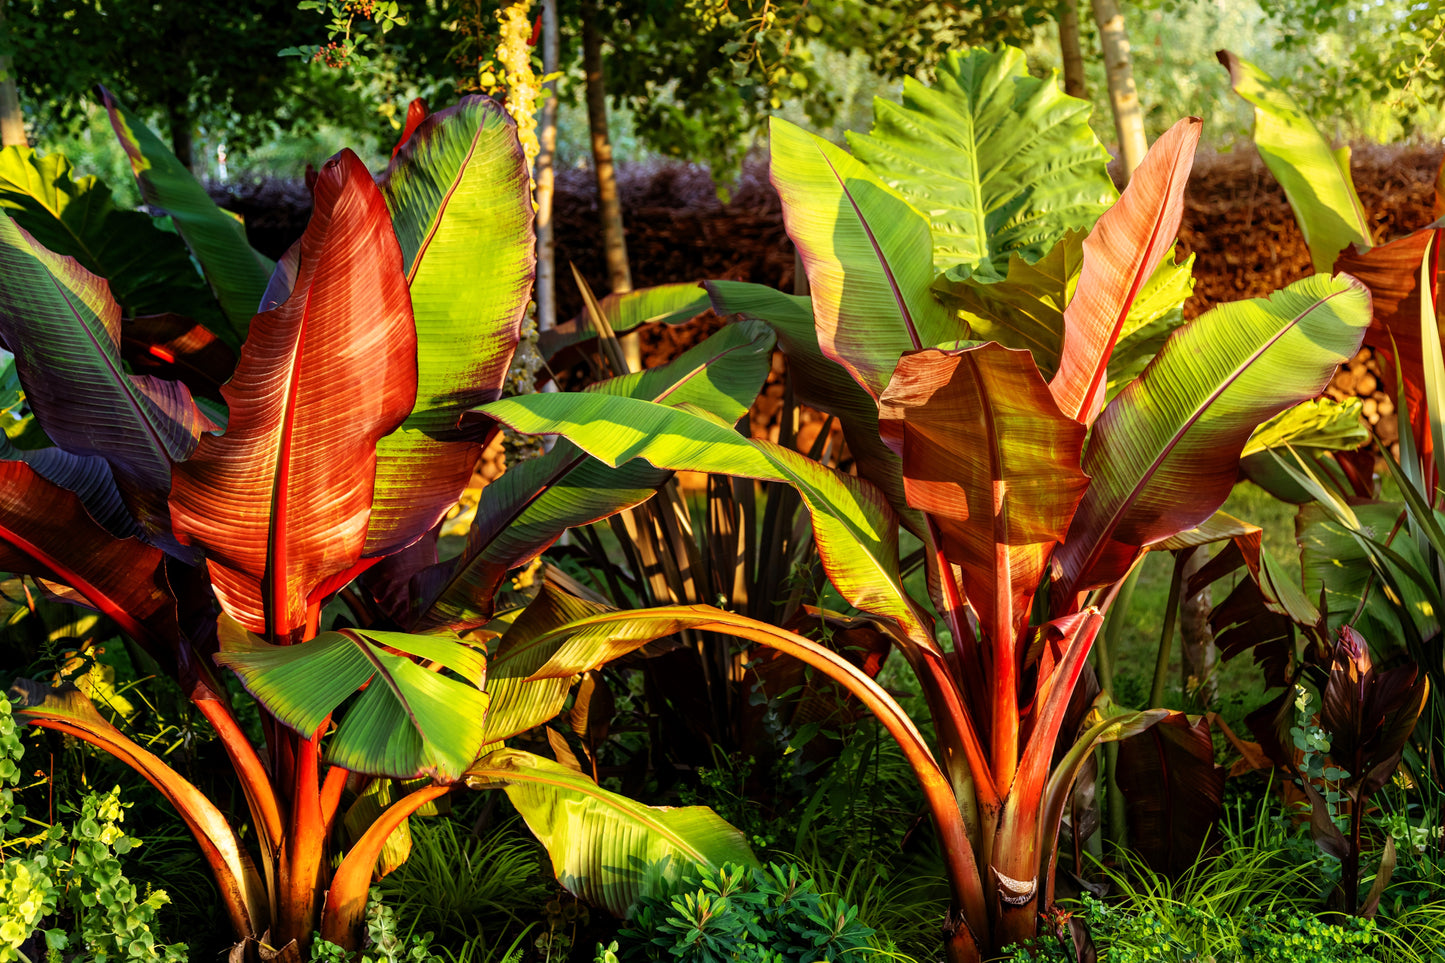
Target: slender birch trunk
<point>12,120</point>
<point>1071,51</point>
<point>1123,96</point>
<point>546,175</point>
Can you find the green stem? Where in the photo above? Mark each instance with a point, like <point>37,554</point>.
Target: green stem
<point>1118,612</point>
<point>1166,637</point>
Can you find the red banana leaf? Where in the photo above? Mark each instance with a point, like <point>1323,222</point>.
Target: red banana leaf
<point>65,331</point>
<point>1164,455</point>
<point>280,502</point>
<point>988,456</point>
<point>1392,274</point>
<point>415,114</point>
<point>1173,790</point>
<point>46,531</point>
<point>1120,254</point>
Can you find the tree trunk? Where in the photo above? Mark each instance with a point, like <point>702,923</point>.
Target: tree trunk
<point>12,120</point>
<point>1198,680</point>
<point>546,175</point>
<point>614,240</point>
<point>1073,55</point>
<point>1123,97</point>
<point>181,135</point>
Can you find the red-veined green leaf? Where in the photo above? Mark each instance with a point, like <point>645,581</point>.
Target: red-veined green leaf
<point>1164,455</point>
<point>1120,255</point>
<point>856,531</point>
<point>458,192</point>
<point>868,256</point>
<point>409,721</point>
<point>237,274</point>
<point>280,502</point>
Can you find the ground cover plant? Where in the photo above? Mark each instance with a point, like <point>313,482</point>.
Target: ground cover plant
<point>214,533</point>
<point>982,454</point>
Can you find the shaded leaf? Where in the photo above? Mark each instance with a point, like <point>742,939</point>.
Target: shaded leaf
<point>236,273</point>
<point>1174,792</point>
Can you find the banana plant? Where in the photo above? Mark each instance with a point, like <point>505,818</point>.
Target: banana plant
<point>1033,495</point>
<point>284,530</point>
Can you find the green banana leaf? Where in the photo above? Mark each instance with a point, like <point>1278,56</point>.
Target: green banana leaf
<point>856,531</point>
<point>518,701</point>
<point>523,512</point>
<point>1002,162</point>
<point>818,381</point>
<point>149,270</point>
<point>627,310</point>
<point>866,252</point>
<point>1315,178</point>
<point>458,196</point>
<point>409,721</point>
<point>237,274</point>
<point>605,848</point>
<point>1164,454</point>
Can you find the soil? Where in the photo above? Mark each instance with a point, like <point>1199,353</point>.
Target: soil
<point>1236,222</point>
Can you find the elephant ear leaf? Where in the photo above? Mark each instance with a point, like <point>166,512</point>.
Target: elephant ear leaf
<point>607,849</point>
<point>237,273</point>
<point>1004,163</point>
<point>149,270</point>
<point>410,721</point>
<point>1315,178</point>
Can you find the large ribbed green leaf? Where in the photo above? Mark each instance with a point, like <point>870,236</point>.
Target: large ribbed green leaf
<point>237,274</point>
<point>1000,161</point>
<point>148,269</point>
<point>458,194</point>
<point>410,720</point>
<point>866,252</point>
<point>1165,453</point>
<point>607,849</point>
<point>65,331</point>
<point>523,512</point>
<point>1336,563</point>
<point>856,531</point>
<point>1315,178</point>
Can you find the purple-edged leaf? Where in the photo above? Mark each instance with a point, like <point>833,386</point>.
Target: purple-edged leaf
<point>65,331</point>
<point>458,194</point>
